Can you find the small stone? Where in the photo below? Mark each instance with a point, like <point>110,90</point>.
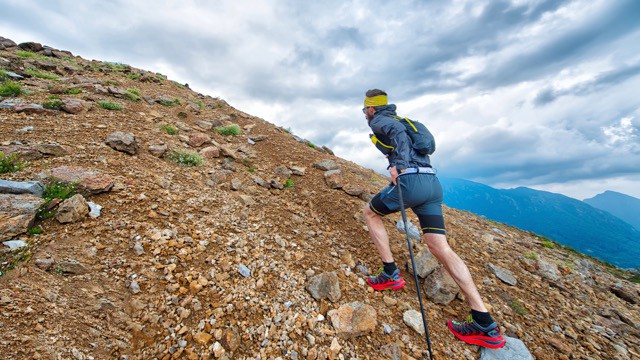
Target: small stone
<point>94,209</point>
<point>326,165</point>
<point>44,263</point>
<point>72,209</point>
<point>324,286</point>
<point>244,271</point>
<point>386,329</point>
<point>134,287</point>
<point>503,274</point>
<point>202,338</point>
<point>138,249</point>
<point>354,319</point>
<point>157,150</point>
<point>413,319</point>
<point>124,142</point>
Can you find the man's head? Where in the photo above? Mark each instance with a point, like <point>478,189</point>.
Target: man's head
<point>373,99</point>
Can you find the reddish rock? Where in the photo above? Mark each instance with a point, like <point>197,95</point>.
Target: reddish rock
<point>17,213</point>
<point>354,319</point>
<point>29,109</point>
<point>89,182</point>
<point>198,139</point>
<point>157,150</point>
<point>210,152</point>
<point>123,142</point>
<point>333,178</point>
<point>72,106</point>
<point>72,209</point>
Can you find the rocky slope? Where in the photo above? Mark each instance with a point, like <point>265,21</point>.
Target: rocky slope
<point>257,253</point>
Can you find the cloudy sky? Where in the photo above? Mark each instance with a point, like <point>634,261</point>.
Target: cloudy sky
<point>536,93</point>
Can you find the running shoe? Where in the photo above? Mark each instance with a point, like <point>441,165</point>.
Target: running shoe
<point>470,332</point>
<point>382,281</point>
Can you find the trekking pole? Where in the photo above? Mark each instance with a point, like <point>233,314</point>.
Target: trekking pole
<point>413,265</point>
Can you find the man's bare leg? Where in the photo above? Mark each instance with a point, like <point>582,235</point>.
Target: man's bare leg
<point>458,270</point>
<point>378,233</point>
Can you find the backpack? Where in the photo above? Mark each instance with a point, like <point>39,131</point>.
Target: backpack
<point>422,140</point>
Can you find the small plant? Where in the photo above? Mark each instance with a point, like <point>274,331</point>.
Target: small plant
<point>54,189</point>
<point>185,158</point>
<point>311,145</point>
<point>182,114</point>
<point>289,183</point>
<point>179,85</point>
<point>25,54</point>
<point>288,130</point>
<point>200,104</point>
<point>110,105</point>
<point>233,130</point>
<point>53,97</point>
<point>41,75</point>
<point>251,169</point>
<point>111,82</point>
<point>74,91</point>
<point>169,103</point>
<point>53,105</point>
<point>169,129</point>
<point>10,163</point>
<point>35,231</point>
<point>10,89</point>
<point>116,65</point>
<point>518,307</point>
<point>531,255</point>
<point>132,94</point>
<point>133,76</point>
<point>548,243</point>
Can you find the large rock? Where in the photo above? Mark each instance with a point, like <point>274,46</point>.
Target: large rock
<point>414,231</point>
<point>326,165</point>
<point>333,178</point>
<point>89,182</point>
<point>324,286</point>
<point>503,274</point>
<point>16,187</point>
<point>124,142</point>
<point>6,43</point>
<point>17,213</point>
<point>51,149</point>
<point>413,319</point>
<point>353,319</point>
<point>425,262</point>
<point>514,349</point>
<point>72,106</point>
<point>72,209</point>
<point>548,270</point>
<point>198,139</point>
<point>440,287</point>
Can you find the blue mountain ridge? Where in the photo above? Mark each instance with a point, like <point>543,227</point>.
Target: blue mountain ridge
<point>563,219</point>
<point>623,206</point>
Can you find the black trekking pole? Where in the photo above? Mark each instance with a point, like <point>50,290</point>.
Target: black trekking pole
<point>413,265</point>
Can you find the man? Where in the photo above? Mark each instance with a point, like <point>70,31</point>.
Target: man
<point>421,192</point>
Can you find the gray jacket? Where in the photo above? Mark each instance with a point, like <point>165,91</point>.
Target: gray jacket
<point>393,133</point>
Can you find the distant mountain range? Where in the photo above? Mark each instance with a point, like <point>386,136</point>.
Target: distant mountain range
<point>563,219</point>
<point>623,206</point>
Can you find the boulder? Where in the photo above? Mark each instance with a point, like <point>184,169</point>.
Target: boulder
<point>198,139</point>
<point>15,187</point>
<point>157,150</point>
<point>51,149</point>
<point>333,178</point>
<point>440,287</point>
<point>425,262</point>
<point>29,108</point>
<point>72,106</point>
<point>326,165</point>
<point>353,319</point>
<point>210,152</point>
<point>72,209</point>
<point>17,213</point>
<point>514,349</point>
<point>413,319</point>
<point>324,286</point>
<point>503,274</point>
<point>89,182</point>
<point>124,142</point>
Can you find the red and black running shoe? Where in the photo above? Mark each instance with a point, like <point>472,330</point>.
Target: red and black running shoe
<point>382,281</point>
<point>470,332</point>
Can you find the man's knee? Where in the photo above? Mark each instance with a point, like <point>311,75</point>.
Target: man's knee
<point>437,243</point>
<point>367,212</point>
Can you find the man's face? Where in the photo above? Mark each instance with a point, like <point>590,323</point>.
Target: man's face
<point>369,112</point>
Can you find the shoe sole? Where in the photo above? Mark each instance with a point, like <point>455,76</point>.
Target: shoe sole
<point>379,287</point>
<point>478,340</point>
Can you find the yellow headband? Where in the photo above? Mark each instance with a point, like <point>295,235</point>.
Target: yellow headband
<point>378,100</point>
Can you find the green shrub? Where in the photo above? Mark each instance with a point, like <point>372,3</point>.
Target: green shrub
<point>110,105</point>
<point>35,231</point>
<point>73,91</point>
<point>10,163</point>
<point>10,89</point>
<point>179,85</point>
<point>251,169</point>
<point>169,103</point>
<point>54,189</point>
<point>518,307</point>
<point>531,255</point>
<point>200,104</point>
<point>132,94</point>
<point>229,130</point>
<point>182,115</point>
<point>311,145</point>
<point>548,243</point>
<point>289,183</point>
<point>133,76</point>
<point>53,105</point>
<point>169,129</point>
<point>41,75</point>
<point>53,97</point>
<point>116,65</point>
<point>25,54</point>
<point>185,158</point>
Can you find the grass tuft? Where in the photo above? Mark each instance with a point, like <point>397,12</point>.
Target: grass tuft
<point>185,158</point>
<point>169,103</point>
<point>110,105</point>
<point>531,255</point>
<point>73,91</point>
<point>289,183</point>
<point>169,129</point>
<point>53,105</point>
<point>232,130</point>
<point>10,163</point>
<point>41,75</point>
<point>10,89</point>
<point>518,307</point>
<point>132,94</point>
<point>54,189</point>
